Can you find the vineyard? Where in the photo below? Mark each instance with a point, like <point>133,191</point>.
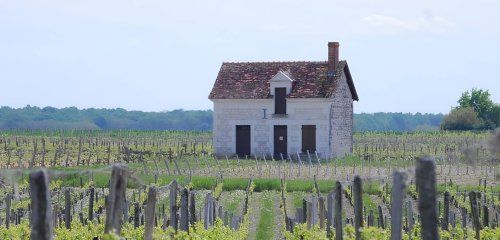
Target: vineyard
<point>168,185</point>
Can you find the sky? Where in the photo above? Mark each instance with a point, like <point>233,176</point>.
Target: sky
<point>157,55</point>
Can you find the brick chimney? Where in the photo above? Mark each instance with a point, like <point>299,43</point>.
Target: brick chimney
<point>333,57</point>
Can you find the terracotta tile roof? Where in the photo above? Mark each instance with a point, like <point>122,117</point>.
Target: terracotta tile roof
<point>250,80</point>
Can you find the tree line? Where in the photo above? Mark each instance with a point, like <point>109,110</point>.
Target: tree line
<point>475,111</point>
<point>32,117</point>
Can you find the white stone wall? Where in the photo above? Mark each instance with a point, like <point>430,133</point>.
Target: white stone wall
<point>333,119</point>
<point>342,119</point>
<point>230,112</point>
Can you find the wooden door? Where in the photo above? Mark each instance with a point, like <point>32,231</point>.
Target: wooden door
<point>243,140</point>
<point>280,140</point>
<point>309,138</point>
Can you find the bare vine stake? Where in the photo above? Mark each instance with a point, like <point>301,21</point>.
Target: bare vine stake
<point>116,199</point>
<point>446,215</point>
<point>463,212</point>
<point>8,202</point>
<point>33,157</point>
<point>184,218</point>
<point>337,220</point>
<point>177,167</point>
<point>41,214</point>
<point>79,156</point>
<point>283,200</point>
<point>425,174</point>
<point>411,221</point>
<point>150,214</point>
<point>475,213</point>
<point>397,195</point>
<point>321,203</point>
<point>485,216</point>
<point>192,208</point>
<point>136,215</point>
<point>166,166</point>
<point>173,204</point>
<point>308,207</point>
<point>329,215</point>
<point>91,204</point>
<point>358,206</point>
<point>207,211</point>
<point>67,208</point>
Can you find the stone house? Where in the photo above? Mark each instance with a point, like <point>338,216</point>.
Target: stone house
<point>284,107</point>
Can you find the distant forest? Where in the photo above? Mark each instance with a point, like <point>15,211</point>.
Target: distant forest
<point>113,119</point>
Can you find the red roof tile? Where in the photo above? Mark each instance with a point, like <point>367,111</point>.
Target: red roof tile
<point>250,80</point>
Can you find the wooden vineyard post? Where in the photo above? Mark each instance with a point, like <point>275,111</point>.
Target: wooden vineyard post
<point>308,213</point>
<point>475,213</point>
<point>247,193</point>
<point>67,208</point>
<point>425,174</point>
<point>136,215</point>
<point>380,217</point>
<point>91,204</point>
<point>41,209</point>
<point>446,215</point>
<point>357,192</point>
<point>305,210</point>
<point>321,209</point>
<point>309,162</point>
<point>173,204</point>
<point>150,214</point>
<point>79,155</point>
<point>314,210</point>
<point>337,219</point>
<point>166,166</point>
<point>397,196</point>
<point>329,214</point>
<point>485,216</point>
<point>192,208</point>
<point>370,219</point>
<point>8,201</point>
<point>463,213</point>
<point>207,211</point>
<point>43,152</point>
<point>411,221</point>
<point>283,200</point>
<point>116,199</point>
<point>177,166</point>
<point>33,157</point>
<point>184,218</point>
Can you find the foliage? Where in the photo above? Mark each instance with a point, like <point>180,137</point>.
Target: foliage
<point>72,118</point>
<point>486,109</point>
<point>476,110</point>
<point>31,117</point>
<point>398,122</point>
<point>461,119</point>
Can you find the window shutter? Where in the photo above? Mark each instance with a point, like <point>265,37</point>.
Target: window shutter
<point>279,101</point>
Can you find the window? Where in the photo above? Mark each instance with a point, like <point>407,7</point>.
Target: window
<point>279,101</point>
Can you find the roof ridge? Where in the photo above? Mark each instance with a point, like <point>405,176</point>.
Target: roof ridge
<point>280,62</point>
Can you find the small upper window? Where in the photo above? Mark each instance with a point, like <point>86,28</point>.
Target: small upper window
<point>279,100</point>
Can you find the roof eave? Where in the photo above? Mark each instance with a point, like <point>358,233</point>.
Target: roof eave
<point>350,83</point>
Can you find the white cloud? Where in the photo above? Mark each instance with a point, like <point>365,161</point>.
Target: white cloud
<point>426,23</point>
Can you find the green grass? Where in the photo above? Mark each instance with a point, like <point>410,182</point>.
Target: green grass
<point>297,198</point>
<point>265,229</point>
<point>370,205</point>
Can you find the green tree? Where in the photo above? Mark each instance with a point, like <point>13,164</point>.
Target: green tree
<point>461,118</point>
<point>487,111</point>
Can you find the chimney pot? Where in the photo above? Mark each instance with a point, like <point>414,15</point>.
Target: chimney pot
<point>333,57</point>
